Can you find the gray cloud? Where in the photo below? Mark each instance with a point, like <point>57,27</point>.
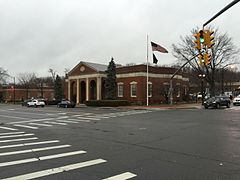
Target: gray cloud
<point>36,35</point>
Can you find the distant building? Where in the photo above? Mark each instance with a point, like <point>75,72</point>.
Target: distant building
<point>18,93</point>
<point>86,82</point>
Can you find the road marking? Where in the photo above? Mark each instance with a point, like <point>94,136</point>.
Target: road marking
<point>28,121</point>
<point>10,133</point>
<point>29,144</point>
<point>122,176</point>
<point>80,120</point>
<point>62,113</point>
<point>99,116</point>
<point>88,118</point>
<point>18,135</point>
<point>15,140</point>
<point>14,117</point>
<point>67,121</point>
<point>40,114</point>
<point>25,126</point>
<point>56,123</point>
<point>7,128</point>
<point>38,124</point>
<point>34,150</point>
<point>63,117</point>
<point>10,163</point>
<point>57,170</point>
<point>106,115</point>
<point>84,114</point>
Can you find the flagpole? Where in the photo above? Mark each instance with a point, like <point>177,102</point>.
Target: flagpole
<point>147,68</point>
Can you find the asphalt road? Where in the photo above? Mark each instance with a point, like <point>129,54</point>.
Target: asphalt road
<point>118,144</point>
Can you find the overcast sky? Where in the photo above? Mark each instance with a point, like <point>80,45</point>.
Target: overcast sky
<point>36,35</point>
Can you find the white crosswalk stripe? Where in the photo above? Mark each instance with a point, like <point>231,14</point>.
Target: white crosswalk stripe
<point>56,123</point>
<point>16,140</point>
<point>28,144</point>
<point>23,161</point>
<point>11,133</point>
<point>34,150</point>
<point>25,126</point>
<point>88,118</point>
<point>7,128</point>
<point>123,176</point>
<point>80,120</point>
<point>67,121</point>
<point>16,135</point>
<point>40,124</point>
<point>57,170</point>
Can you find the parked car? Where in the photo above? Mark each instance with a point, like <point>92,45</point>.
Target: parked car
<point>66,104</point>
<point>24,103</point>
<point>36,103</point>
<point>217,102</point>
<point>236,100</point>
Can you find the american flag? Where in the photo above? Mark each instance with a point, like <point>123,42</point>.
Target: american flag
<point>157,47</point>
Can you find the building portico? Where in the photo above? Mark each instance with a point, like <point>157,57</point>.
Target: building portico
<point>86,82</point>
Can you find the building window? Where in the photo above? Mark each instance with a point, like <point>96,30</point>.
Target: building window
<point>120,89</point>
<point>133,89</point>
<point>150,89</point>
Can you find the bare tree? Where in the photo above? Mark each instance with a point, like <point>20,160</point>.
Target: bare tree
<point>224,53</point>
<point>3,75</point>
<point>53,74</point>
<point>27,80</point>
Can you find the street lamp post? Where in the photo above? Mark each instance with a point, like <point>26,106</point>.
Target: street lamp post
<point>202,76</point>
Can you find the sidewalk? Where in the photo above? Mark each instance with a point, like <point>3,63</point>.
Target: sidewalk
<point>167,106</point>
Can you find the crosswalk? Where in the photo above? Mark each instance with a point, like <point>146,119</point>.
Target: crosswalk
<point>16,151</point>
<point>65,119</point>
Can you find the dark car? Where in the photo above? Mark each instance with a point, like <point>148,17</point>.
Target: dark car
<point>66,104</point>
<point>217,102</point>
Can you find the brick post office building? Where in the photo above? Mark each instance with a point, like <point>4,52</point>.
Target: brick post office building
<point>86,82</point>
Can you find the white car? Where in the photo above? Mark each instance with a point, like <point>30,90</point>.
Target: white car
<point>236,100</point>
<point>36,103</point>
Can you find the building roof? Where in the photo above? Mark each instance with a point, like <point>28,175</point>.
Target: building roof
<point>95,66</point>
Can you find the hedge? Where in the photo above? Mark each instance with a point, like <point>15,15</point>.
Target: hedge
<point>110,103</point>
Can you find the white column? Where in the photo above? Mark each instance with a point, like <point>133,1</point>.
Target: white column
<point>87,89</point>
<point>69,89</point>
<point>77,91</point>
<point>99,88</point>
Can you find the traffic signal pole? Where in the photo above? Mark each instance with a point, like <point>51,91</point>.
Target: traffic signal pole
<point>220,12</point>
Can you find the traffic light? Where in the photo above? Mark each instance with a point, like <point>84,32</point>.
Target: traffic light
<point>197,41</point>
<point>207,58</point>
<point>201,59</point>
<point>201,36</point>
<point>209,38</point>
